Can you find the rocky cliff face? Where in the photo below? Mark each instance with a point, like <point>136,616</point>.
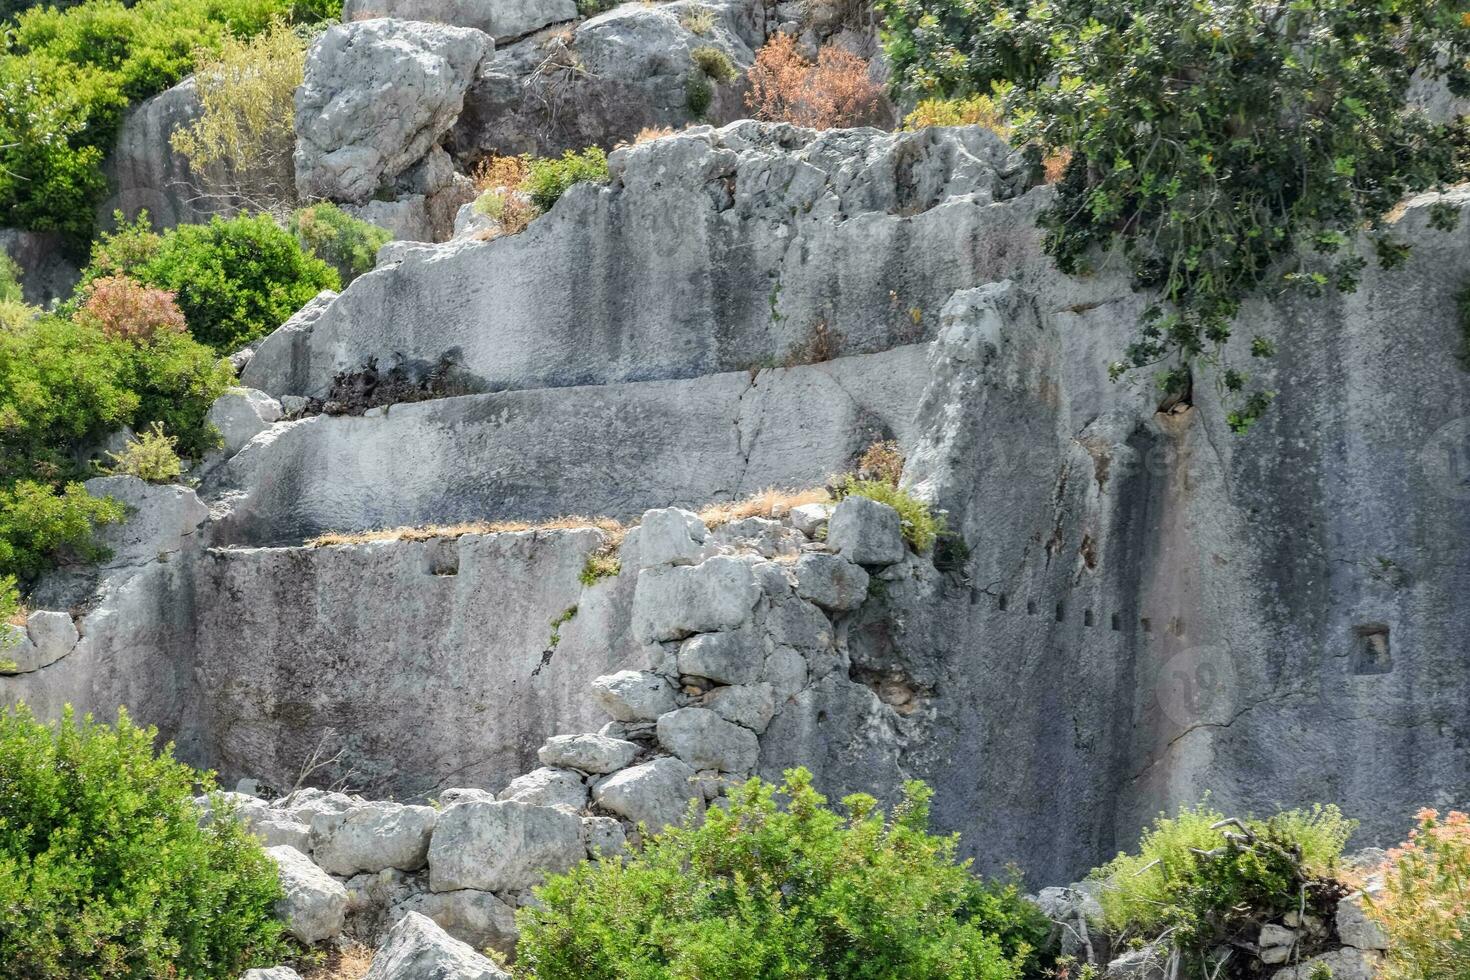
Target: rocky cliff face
<point>1143,607</point>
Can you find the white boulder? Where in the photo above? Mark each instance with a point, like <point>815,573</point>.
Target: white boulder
<point>704,740</point>
<point>865,531</point>
<point>634,695</point>
<point>547,786</point>
<point>418,949</point>
<point>588,752</point>
<point>372,837</point>
<point>504,20</point>
<point>670,536</point>
<point>673,601</point>
<point>655,793</point>
<point>831,581</point>
<point>240,414</point>
<point>314,904</point>
<point>502,846</point>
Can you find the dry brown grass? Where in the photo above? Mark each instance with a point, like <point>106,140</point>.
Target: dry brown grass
<point>881,461</point>
<point>650,133</point>
<point>18,618</point>
<point>500,171</point>
<point>432,532</point>
<point>762,504</point>
<point>1055,165</point>
<point>835,92</point>
<point>349,963</point>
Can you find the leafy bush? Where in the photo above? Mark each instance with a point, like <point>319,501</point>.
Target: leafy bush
<point>1204,881</point>
<point>697,20</point>
<point>714,63</point>
<point>10,291</point>
<point>67,76</point>
<point>348,244</point>
<point>835,92</point>
<point>920,524</point>
<point>235,279</point>
<point>1424,907</point>
<point>548,179</point>
<point>760,893</point>
<point>1203,146</point>
<point>970,110</point>
<point>104,869</point>
<point>65,384</point>
<point>497,172</point>
<point>151,457</point>
<point>510,208</point>
<point>240,148</point>
<point>699,94</point>
<point>125,308</point>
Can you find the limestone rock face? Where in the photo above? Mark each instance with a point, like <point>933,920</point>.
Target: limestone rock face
<point>588,752</point>
<point>548,787</point>
<point>634,695</point>
<point>504,20</point>
<point>866,532</point>
<point>832,582</point>
<point>145,173</point>
<point>161,518</point>
<point>376,96</point>
<point>675,601</point>
<point>274,973</point>
<point>314,904</point>
<point>47,637</point>
<point>372,837</point>
<point>1345,964</point>
<point>240,414</point>
<point>474,917</point>
<point>705,740</point>
<point>670,536</point>
<point>417,949</point>
<point>729,657</point>
<point>502,846</point>
<point>655,793</point>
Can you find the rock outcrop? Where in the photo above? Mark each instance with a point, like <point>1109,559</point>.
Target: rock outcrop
<point>1132,605</point>
<point>503,20</point>
<point>377,96</point>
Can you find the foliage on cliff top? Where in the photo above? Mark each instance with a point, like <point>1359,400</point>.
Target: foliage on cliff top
<point>67,76</point>
<point>548,178</point>
<point>104,869</point>
<point>235,279</point>
<point>1200,881</point>
<point>763,891</point>
<point>346,243</point>
<point>1218,148</point>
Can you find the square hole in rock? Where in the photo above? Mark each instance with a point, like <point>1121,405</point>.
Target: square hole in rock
<point>1370,649</point>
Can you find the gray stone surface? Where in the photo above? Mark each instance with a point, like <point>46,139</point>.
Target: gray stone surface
<point>547,453</point>
<point>161,518</point>
<point>548,786</point>
<point>633,695</point>
<point>656,793</point>
<point>865,531</point>
<point>274,973</point>
<point>604,836</point>
<point>47,637</point>
<point>670,536</point>
<point>240,414</point>
<point>474,917</point>
<point>314,904</point>
<point>1355,928</point>
<point>376,96</point>
<point>1345,964</point>
<point>730,657</point>
<point>144,173</point>
<point>502,846</point>
<point>705,740</point>
<point>504,20</point>
<point>372,837</point>
<point>833,582</point>
<point>588,752</point>
<point>48,272</point>
<point>750,705</point>
<point>417,949</point>
<point>673,602</point>
<point>810,519</point>
<point>739,234</point>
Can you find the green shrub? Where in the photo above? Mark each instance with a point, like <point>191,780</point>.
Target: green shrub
<point>698,94</point>
<point>104,869</point>
<point>235,279</point>
<point>765,893</point>
<point>1202,147</point>
<point>1204,881</point>
<point>68,75</point>
<point>10,291</point>
<point>548,178</point>
<point>64,386</point>
<point>348,244</point>
<point>920,524</point>
<point>714,63</point>
<point>150,456</point>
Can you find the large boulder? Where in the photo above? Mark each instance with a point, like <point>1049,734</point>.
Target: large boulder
<point>47,637</point>
<point>502,846</point>
<point>728,657</point>
<point>417,949</point>
<point>160,519</point>
<point>376,96</point>
<point>634,695</point>
<point>670,536</point>
<point>705,740</point>
<point>240,414</point>
<point>372,837</point>
<point>831,581</point>
<point>588,752</point>
<point>655,793</point>
<point>674,601</point>
<point>313,904</point>
<point>475,917</point>
<point>866,531</point>
<point>548,786</point>
<point>504,20</point>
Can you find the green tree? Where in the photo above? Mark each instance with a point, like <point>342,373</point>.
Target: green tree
<point>1220,147</point>
<point>104,870</point>
<point>761,892</point>
<point>235,279</point>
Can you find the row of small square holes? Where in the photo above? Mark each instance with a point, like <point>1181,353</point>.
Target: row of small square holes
<point>1115,621</point>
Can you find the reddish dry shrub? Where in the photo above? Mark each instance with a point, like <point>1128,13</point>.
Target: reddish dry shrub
<point>125,309</point>
<point>835,92</point>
